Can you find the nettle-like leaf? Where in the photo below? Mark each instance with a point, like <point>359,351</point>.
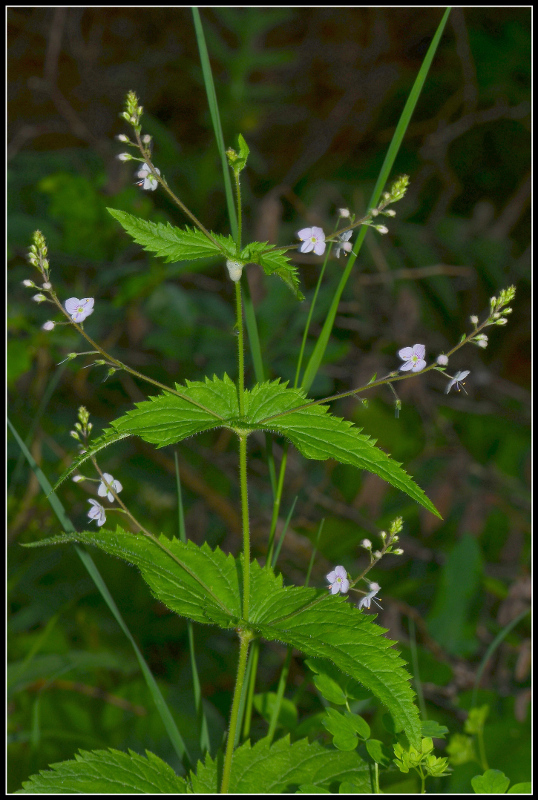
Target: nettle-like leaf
<point>205,585</point>
<point>107,772</point>
<point>282,767</point>
<point>317,434</point>
<point>171,243</point>
<point>108,437</point>
<point>273,262</point>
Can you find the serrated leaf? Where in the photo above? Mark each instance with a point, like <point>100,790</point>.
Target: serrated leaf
<point>195,582</point>
<point>171,243</point>
<point>317,434</point>
<point>273,262</point>
<point>205,585</point>
<point>281,767</point>
<point>167,418</point>
<point>107,772</point>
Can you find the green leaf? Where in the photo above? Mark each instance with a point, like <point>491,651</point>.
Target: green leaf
<point>206,585</point>
<point>273,262</point>
<point>282,767</point>
<point>171,243</point>
<point>332,685</point>
<point>167,419</point>
<point>493,781</point>
<point>107,772</point>
<point>345,728</point>
<point>265,704</point>
<point>109,437</point>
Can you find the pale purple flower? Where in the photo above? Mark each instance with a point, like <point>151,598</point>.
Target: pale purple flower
<point>457,381</point>
<point>343,244</point>
<point>413,357</point>
<point>97,512</point>
<point>366,601</point>
<point>313,239</point>
<point>48,326</point>
<point>147,179</point>
<point>104,490</point>
<point>79,309</point>
<point>338,580</point>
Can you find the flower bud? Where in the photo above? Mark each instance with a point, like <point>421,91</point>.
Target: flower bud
<point>235,268</point>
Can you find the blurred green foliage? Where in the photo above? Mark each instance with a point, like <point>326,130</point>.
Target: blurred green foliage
<point>316,94</point>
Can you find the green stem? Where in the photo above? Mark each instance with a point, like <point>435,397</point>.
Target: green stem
<point>246,527</point>
<point>245,638</point>
<point>239,213</point>
<point>276,503</point>
<point>240,348</point>
<point>254,657</point>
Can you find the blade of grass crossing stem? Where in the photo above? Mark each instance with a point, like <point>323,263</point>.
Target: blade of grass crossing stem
<point>215,117</point>
<point>248,308</point>
<point>283,534</point>
<point>198,703</point>
<point>158,699</point>
<point>321,344</point>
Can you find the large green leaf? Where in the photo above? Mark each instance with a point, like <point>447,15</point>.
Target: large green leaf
<point>171,243</point>
<point>282,767</point>
<point>317,434</point>
<point>205,585</point>
<point>107,772</point>
<point>273,262</point>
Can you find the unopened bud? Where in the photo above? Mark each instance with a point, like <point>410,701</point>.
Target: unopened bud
<point>235,268</point>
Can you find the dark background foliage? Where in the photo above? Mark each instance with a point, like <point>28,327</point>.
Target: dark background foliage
<point>316,93</point>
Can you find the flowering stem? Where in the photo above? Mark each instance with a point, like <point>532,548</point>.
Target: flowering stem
<point>147,158</point>
<point>121,365</point>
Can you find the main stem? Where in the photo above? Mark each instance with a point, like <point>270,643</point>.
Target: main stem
<point>245,636</point>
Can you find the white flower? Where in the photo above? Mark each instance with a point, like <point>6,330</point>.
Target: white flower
<point>457,380</point>
<point>367,600</point>
<point>97,512</point>
<point>343,212</point>
<point>474,319</point>
<point>124,157</point>
<point>413,357</point>
<point>29,284</point>
<point>148,180</point>
<point>381,228</point>
<point>104,490</point>
<point>367,544</point>
<point>48,326</point>
<point>313,239</point>
<point>39,298</point>
<point>79,309</point>
<point>78,478</point>
<point>338,580</point>
<point>442,360</point>
<point>343,245</point>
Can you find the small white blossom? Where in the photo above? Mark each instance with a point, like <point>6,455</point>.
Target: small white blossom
<point>442,360</point>
<point>343,245</point>
<point>77,478</point>
<point>367,544</point>
<point>48,325</point>
<point>343,212</point>
<point>147,181</point>
<point>313,239</point>
<point>124,157</point>
<point>79,309</point>
<point>366,601</point>
<point>39,298</point>
<point>457,381</point>
<point>377,554</point>
<point>381,228</point>
<point>338,580</point>
<point>104,489</point>
<point>474,319</point>
<point>47,285</point>
<point>121,137</point>
<point>413,358</point>
<point>97,512</point>
<point>29,284</point>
